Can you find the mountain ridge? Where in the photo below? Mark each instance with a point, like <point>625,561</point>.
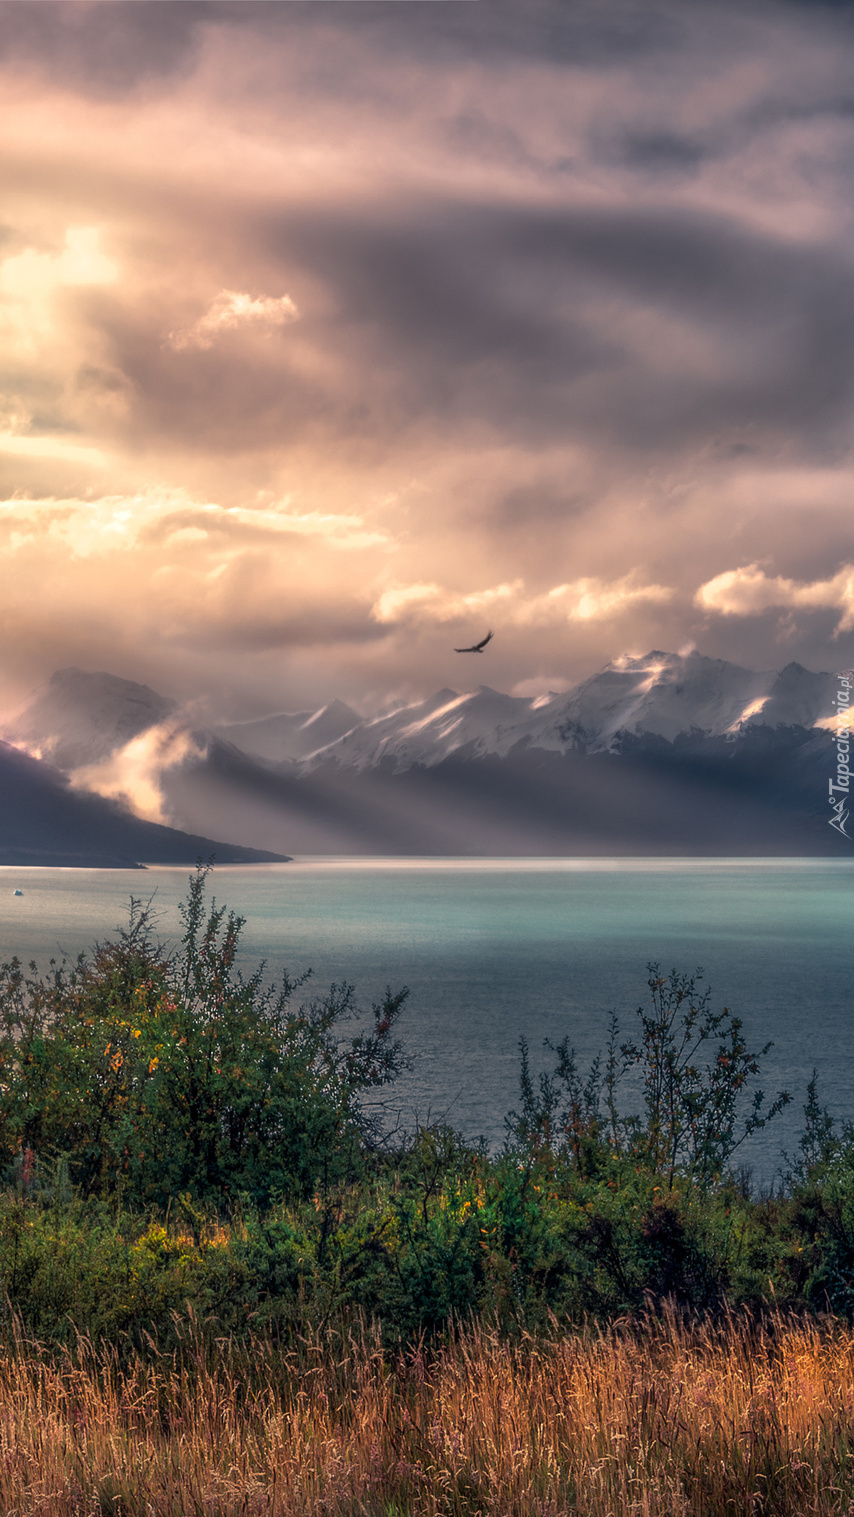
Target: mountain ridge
<point>82,717</point>
<point>661,694</point>
<point>79,718</point>
<point>673,753</point>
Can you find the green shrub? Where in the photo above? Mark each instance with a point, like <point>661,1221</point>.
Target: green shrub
<point>160,1075</point>
<point>690,1123</point>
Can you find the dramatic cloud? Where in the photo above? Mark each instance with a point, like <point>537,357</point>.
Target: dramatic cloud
<point>431,601</point>
<point>585,600</point>
<point>230,310</point>
<point>592,600</point>
<point>750,591</point>
<point>332,335</point>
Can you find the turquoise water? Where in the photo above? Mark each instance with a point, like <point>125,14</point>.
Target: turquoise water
<point>496,949</point>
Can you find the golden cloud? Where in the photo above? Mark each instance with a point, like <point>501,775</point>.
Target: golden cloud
<point>413,602</point>
<point>232,309</point>
<point>748,591</point>
<point>583,600</point>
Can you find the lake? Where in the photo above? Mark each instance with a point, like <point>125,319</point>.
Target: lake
<point>497,949</point>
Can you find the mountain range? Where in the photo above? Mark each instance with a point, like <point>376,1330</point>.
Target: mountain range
<point>665,754</point>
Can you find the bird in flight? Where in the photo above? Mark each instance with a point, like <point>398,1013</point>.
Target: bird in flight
<point>478,647</point>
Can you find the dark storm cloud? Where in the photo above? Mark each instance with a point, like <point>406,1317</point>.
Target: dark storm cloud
<point>493,314</point>
<point>264,631</point>
<point>524,319</point>
<point>569,289</point>
<point>230,400</point>
<point>662,152</point>
<point>102,48</point>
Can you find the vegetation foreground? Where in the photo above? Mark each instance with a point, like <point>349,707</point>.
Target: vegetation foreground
<point>224,1287</point>
<point>668,1419</point>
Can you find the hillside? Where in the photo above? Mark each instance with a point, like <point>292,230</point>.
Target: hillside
<point>44,821</point>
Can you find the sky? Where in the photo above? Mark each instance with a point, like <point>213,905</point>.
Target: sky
<point>336,333</point>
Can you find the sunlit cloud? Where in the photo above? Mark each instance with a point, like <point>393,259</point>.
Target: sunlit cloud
<point>230,310</point>
<point>88,527</point>
<point>592,599</point>
<point>31,274</point>
<point>120,523</point>
<point>432,603</point>
<point>583,600</point>
<point>336,529</point>
<point>51,446</point>
<point>31,279</point>
<point>749,591</point>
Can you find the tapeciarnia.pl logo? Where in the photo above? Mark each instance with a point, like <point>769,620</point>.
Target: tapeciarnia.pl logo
<point>842,739</point>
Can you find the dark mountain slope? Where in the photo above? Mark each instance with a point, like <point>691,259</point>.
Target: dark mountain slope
<point>44,821</point>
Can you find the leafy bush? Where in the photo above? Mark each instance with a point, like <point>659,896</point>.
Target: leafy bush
<point>159,1075</point>
<point>690,1123</point>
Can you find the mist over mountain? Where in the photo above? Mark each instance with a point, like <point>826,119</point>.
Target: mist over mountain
<point>662,754</point>
<point>290,735</point>
<point>44,821</point>
<point>79,718</point>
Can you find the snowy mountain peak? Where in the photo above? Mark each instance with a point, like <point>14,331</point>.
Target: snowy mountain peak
<point>664,694</point>
<point>290,735</point>
<point>432,730</point>
<point>79,718</point>
<point>656,694</point>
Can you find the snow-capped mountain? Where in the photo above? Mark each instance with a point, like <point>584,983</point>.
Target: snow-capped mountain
<point>668,694</point>
<point>80,718</point>
<point>290,735</point>
<point>484,721</point>
<point>663,695</point>
<point>669,753</point>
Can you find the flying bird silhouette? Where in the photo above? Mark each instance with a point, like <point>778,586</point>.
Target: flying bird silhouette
<point>478,647</point>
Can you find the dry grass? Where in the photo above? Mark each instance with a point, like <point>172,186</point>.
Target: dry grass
<point>667,1419</point>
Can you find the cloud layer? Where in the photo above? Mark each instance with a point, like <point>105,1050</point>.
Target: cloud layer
<point>750,591</point>
<point>229,311</point>
<point>334,335</point>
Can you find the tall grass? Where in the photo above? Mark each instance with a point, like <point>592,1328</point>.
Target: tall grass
<point>658,1419</point>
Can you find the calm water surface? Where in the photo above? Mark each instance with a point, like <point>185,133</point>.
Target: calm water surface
<point>494,950</point>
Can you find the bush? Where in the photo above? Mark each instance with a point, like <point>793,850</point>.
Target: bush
<point>690,1123</point>
<point>159,1075</point>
